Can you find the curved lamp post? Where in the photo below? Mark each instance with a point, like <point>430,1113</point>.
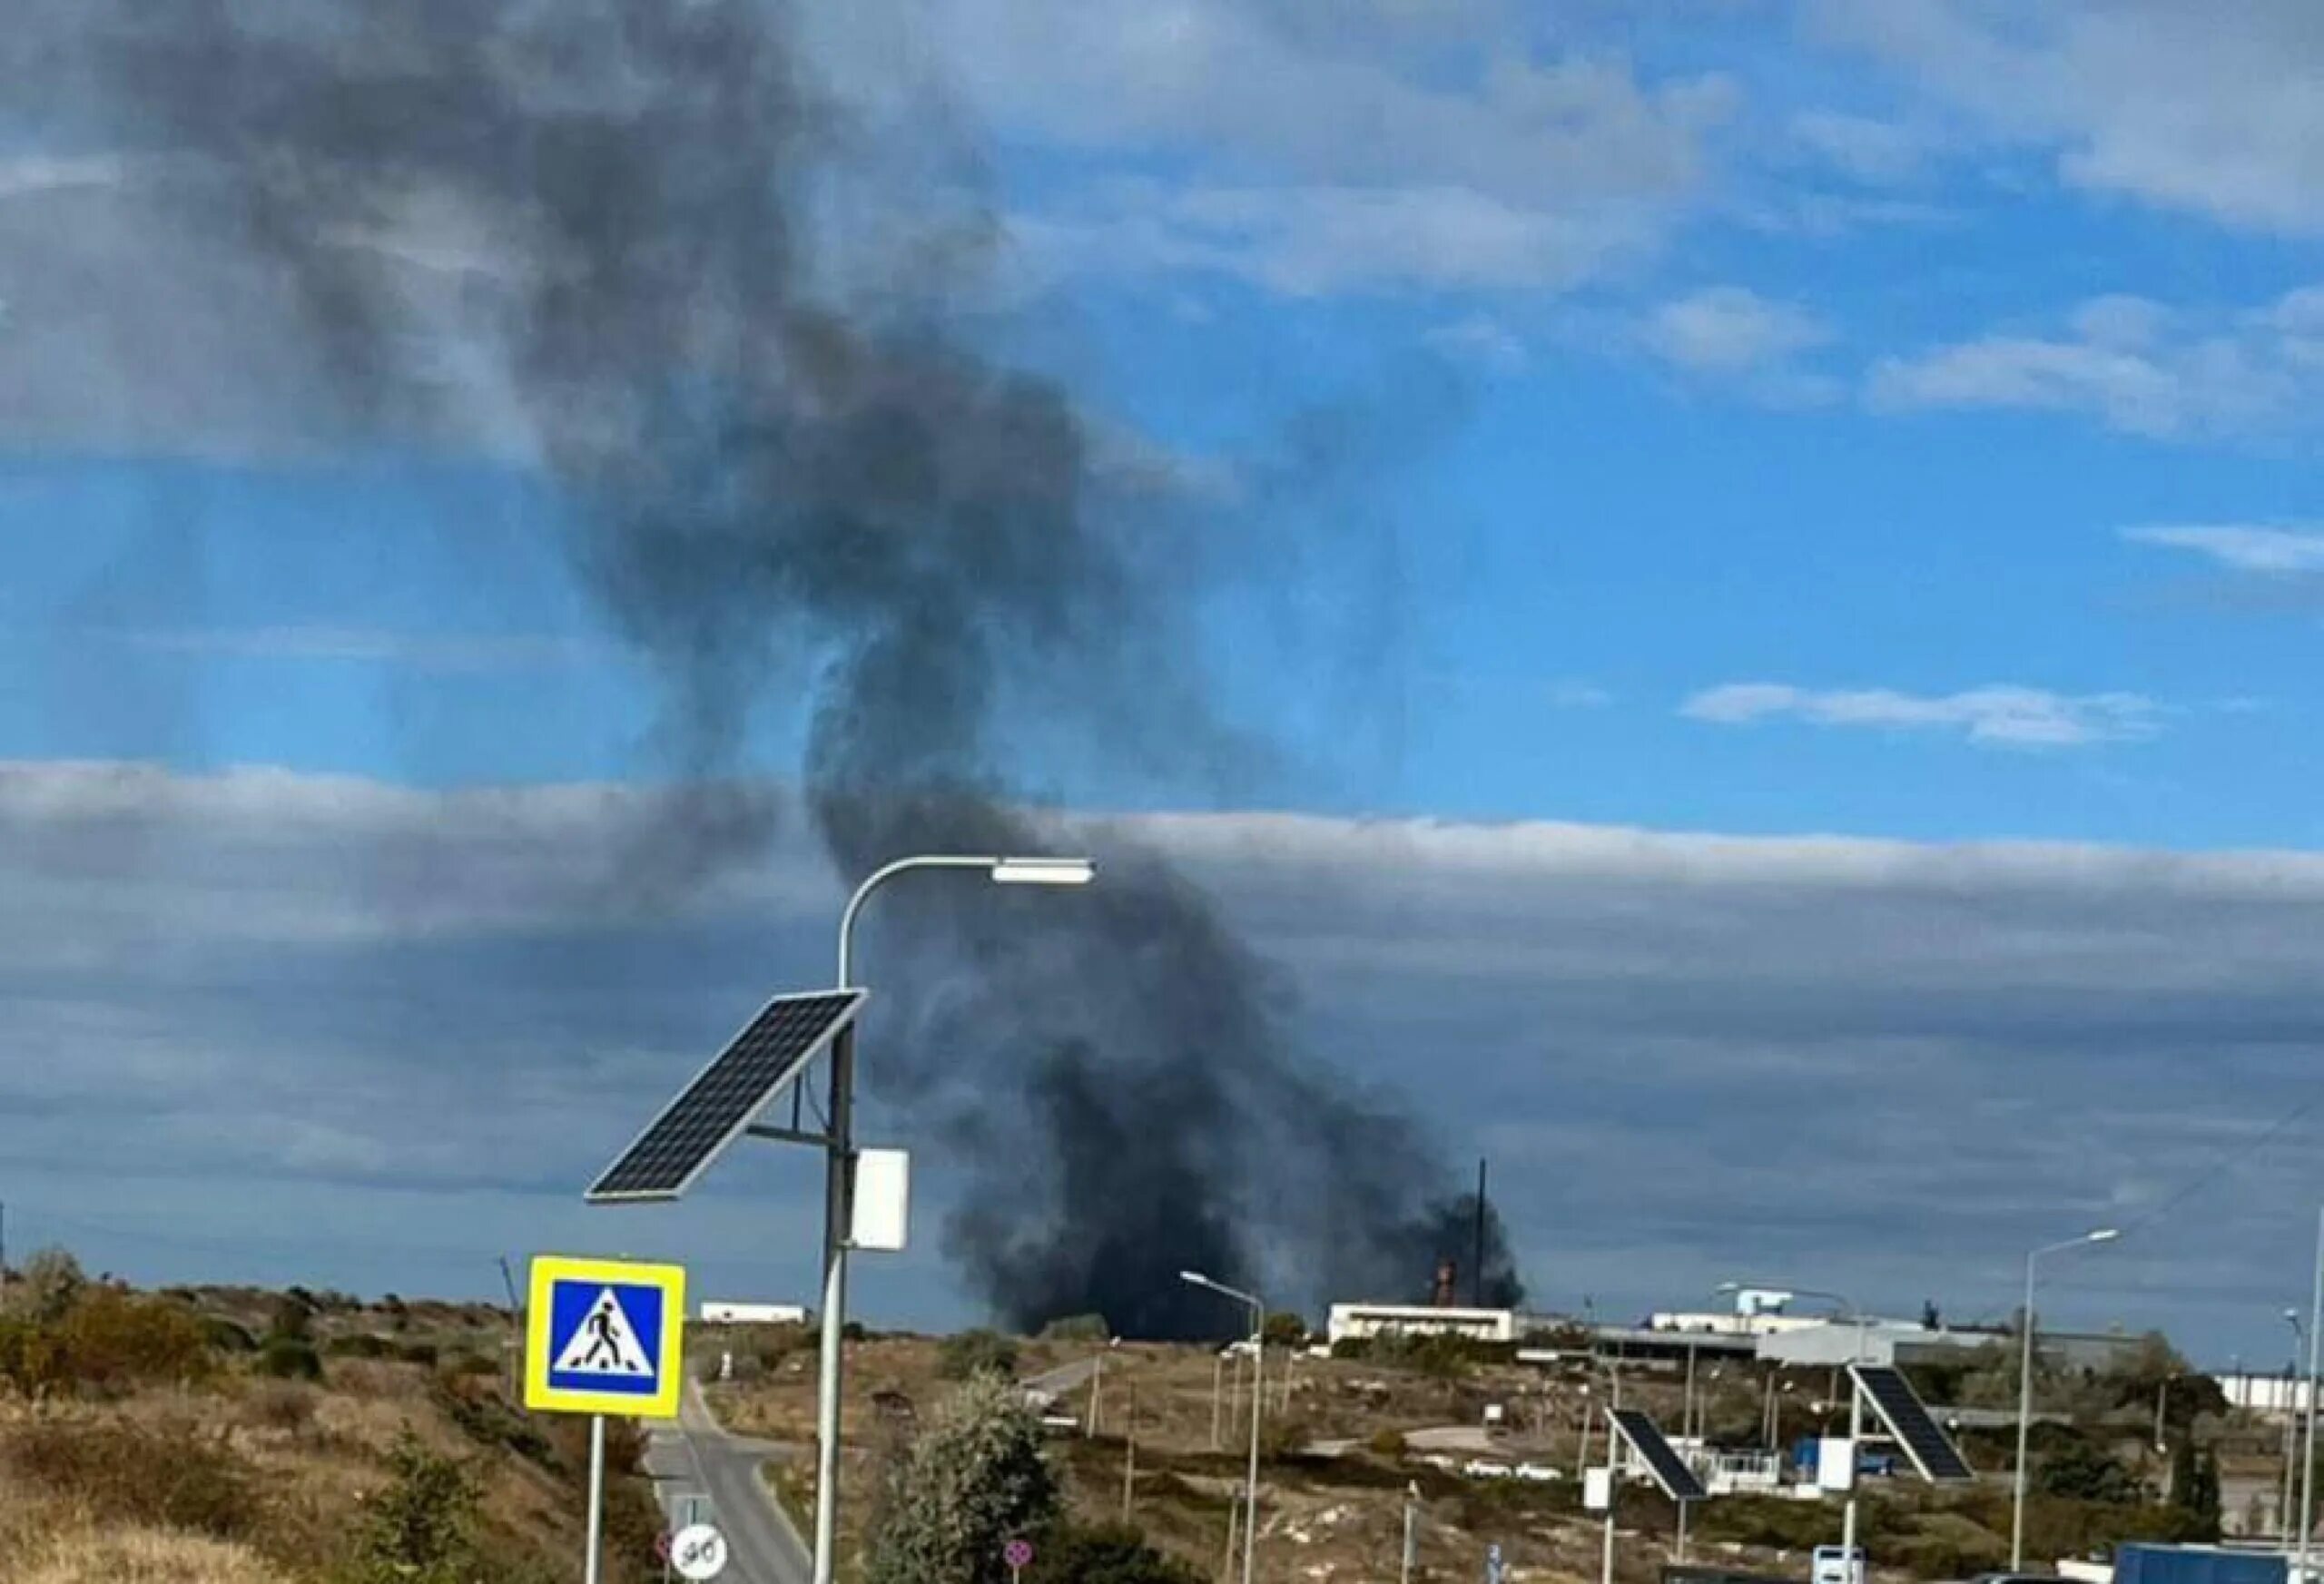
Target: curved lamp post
<point>840,1162</point>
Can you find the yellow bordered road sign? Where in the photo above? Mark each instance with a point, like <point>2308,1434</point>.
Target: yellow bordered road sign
<point>605,1336</point>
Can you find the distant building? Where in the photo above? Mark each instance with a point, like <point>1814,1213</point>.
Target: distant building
<point>713,1314</point>
<point>1352,1321</point>
<point>2275,1395</point>
<point>1719,1323</point>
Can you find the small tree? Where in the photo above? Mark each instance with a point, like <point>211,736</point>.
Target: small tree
<point>48,1286</point>
<point>976,1352</point>
<point>1285,1329</point>
<point>420,1528</point>
<point>2087,1473</point>
<point>974,1480</point>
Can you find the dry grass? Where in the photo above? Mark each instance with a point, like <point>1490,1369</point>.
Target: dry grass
<point>139,1556</point>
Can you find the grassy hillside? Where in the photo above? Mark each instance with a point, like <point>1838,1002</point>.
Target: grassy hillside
<point>229,1436</point>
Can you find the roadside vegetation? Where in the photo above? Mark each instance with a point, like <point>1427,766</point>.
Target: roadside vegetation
<point>231,1436</point>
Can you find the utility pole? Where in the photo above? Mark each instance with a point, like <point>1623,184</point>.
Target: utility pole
<point>516,1331</point>
<point>1477,1266</point>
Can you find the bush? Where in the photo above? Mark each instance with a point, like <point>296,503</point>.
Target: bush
<point>1387,1443</point>
<point>1077,1328</point>
<point>112,1340</point>
<point>1285,1329</point>
<point>977,1353</point>
<point>225,1336</point>
<point>416,1352</point>
<point>173,1476</point>
<point>950,1500</point>
<point>289,1358</point>
<point>48,1286</point>
<point>32,1358</point>
<point>1108,1553</point>
<point>465,1362</point>
<point>421,1529</point>
<point>363,1345</point>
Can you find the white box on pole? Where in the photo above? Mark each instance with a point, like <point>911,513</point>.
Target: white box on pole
<point>882,1200</point>
<point>1598,1489</point>
<point>1835,1464</point>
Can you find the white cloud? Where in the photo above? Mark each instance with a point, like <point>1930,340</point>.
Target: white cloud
<point>2134,365</point>
<point>2253,548</point>
<point>1730,331</point>
<point>221,980</point>
<point>2017,717</point>
<point>1870,152</point>
<point>1314,240</point>
<point>2178,103</point>
<point>1382,151</point>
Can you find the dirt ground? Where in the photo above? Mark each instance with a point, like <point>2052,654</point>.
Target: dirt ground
<point>1333,1514</point>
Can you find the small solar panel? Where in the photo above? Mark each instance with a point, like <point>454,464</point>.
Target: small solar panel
<point>711,1111</point>
<point>1662,1461</point>
<point>1901,1410</point>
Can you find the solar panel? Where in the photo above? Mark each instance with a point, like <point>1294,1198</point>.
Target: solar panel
<point>711,1111</point>
<point>1900,1409</point>
<point>1662,1461</point>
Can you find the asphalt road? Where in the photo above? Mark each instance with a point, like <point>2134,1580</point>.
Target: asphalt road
<point>697,1462</point>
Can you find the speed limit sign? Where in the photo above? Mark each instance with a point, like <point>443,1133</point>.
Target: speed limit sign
<point>698,1551</point>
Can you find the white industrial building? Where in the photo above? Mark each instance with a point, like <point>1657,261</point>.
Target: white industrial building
<point>1351,1321</point>
<point>732,1314</point>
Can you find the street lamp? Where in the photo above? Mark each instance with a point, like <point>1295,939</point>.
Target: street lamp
<point>2026,1386</point>
<point>838,1177</point>
<point>1259,1357</point>
<point>1845,1309</point>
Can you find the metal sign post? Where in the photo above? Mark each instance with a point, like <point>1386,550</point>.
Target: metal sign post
<point>596,1497</point>
<point>604,1337</point>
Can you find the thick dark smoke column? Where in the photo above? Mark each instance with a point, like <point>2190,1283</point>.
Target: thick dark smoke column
<point>618,230</point>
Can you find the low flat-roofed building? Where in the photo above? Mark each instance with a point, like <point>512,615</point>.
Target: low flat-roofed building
<point>1356,1321</point>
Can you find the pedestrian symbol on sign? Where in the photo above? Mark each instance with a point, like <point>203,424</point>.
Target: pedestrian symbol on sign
<point>605,1343</point>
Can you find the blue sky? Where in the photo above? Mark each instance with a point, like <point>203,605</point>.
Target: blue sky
<point>1885,418</point>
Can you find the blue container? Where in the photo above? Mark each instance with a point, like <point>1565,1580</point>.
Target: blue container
<point>2151,1564</point>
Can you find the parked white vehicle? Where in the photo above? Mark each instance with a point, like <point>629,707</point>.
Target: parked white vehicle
<point>1485,1469</point>
<point>1540,1473</point>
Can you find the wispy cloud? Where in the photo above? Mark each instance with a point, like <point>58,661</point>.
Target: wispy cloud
<point>1575,694</point>
<point>1730,329</point>
<point>1997,717</point>
<point>2135,365</point>
<point>2261,549</point>
<point>2158,100</point>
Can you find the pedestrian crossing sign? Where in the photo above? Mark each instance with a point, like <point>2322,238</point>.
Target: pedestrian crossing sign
<point>605,1336</point>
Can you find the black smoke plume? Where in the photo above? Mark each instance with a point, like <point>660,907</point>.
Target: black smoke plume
<point>637,243</point>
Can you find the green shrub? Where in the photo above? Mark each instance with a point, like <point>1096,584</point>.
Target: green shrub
<point>977,1353</point>
<point>1387,1443</point>
<point>951,1499</point>
<point>421,1529</point>
<point>1077,1328</point>
<point>113,1340</point>
<point>361,1344</point>
<point>289,1358</point>
<point>1108,1553</point>
<point>178,1475</point>
<point>416,1352</point>
<point>226,1336</point>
